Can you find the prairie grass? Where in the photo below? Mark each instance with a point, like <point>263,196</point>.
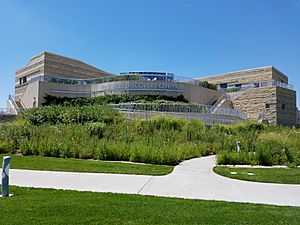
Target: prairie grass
<point>97,132</point>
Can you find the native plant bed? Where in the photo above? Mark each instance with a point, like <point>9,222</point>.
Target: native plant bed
<point>103,134</point>
<point>98,132</point>
<point>273,145</point>
<point>268,175</point>
<point>48,206</point>
<point>112,99</point>
<point>88,166</point>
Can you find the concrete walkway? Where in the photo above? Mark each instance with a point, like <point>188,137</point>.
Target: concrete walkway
<point>192,179</point>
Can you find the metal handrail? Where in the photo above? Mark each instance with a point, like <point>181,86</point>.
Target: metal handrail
<point>13,102</point>
<point>259,84</point>
<point>75,81</point>
<point>16,109</point>
<point>179,108</point>
<point>7,111</point>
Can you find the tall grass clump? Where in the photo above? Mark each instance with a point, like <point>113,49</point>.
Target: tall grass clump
<point>264,145</point>
<point>71,115</point>
<point>159,140</point>
<point>11,134</point>
<point>98,132</point>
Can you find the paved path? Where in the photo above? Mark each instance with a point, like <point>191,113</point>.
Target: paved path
<point>191,179</point>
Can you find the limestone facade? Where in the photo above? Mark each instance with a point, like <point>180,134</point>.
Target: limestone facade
<point>247,76</point>
<point>260,92</point>
<point>298,117</point>
<point>51,74</point>
<point>56,66</point>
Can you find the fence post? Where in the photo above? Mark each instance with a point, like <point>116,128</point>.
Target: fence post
<point>238,146</point>
<point>5,176</point>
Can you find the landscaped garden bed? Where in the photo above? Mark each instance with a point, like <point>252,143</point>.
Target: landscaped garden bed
<point>101,133</point>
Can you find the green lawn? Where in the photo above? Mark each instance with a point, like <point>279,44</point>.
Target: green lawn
<point>274,175</point>
<point>47,206</point>
<point>80,165</point>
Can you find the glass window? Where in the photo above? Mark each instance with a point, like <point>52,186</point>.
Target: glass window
<point>223,86</point>
<point>267,106</point>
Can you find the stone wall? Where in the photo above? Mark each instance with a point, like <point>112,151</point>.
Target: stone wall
<point>57,66</point>
<point>278,104</point>
<point>62,90</point>
<point>279,76</point>
<point>253,102</point>
<point>50,63</point>
<point>247,76</point>
<point>72,68</point>
<point>298,117</point>
<point>192,93</point>
<point>286,107</point>
<point>195,94</point>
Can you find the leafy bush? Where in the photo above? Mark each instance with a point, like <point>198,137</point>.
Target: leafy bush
<point>11,134</point>
<point>97,129</point>
<point>272,149</point>
<point>110,99</point>
<point>234,158</point>
<point>71,115</point>
<point>206,84</point>
<point>167,143</point>
<point>194,130</point>
<point>166,123</point>
<point>102,133</point>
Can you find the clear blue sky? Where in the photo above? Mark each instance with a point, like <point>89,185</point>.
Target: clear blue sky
<point>190,38</point>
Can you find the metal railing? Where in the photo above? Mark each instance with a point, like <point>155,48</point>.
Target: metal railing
<point>7,111</point>
<point>283,85</point>
<point>208,119</point>
<point>267,83</point>
<point>218,103</point>
<point>11,98</point>
<point>179,108</point>
<point>75,81</point>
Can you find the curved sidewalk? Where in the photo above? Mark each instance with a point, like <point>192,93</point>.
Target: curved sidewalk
<point>192,179</point>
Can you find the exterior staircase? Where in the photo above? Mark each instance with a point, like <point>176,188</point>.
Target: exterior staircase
<point>19,104</point>
<point>235,95</point>
<point>218,104</point>
<point>15,104</point>
<point>228,97</point>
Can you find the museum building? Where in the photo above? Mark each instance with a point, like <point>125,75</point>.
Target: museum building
<point>261,93</point>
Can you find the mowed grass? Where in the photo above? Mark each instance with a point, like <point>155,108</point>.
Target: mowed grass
<point>91,166</point>
<point>48,206</point>
<point>268,175</point>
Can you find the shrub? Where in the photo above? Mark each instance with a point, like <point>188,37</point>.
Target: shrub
<point>97,129</point>
<point>71,115</point>
<point>194,130</point>
<point>110,99</point>
<point>102,133</point>
<point>273,152</point>
<point>166,123</point>
<point>234,158</point>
